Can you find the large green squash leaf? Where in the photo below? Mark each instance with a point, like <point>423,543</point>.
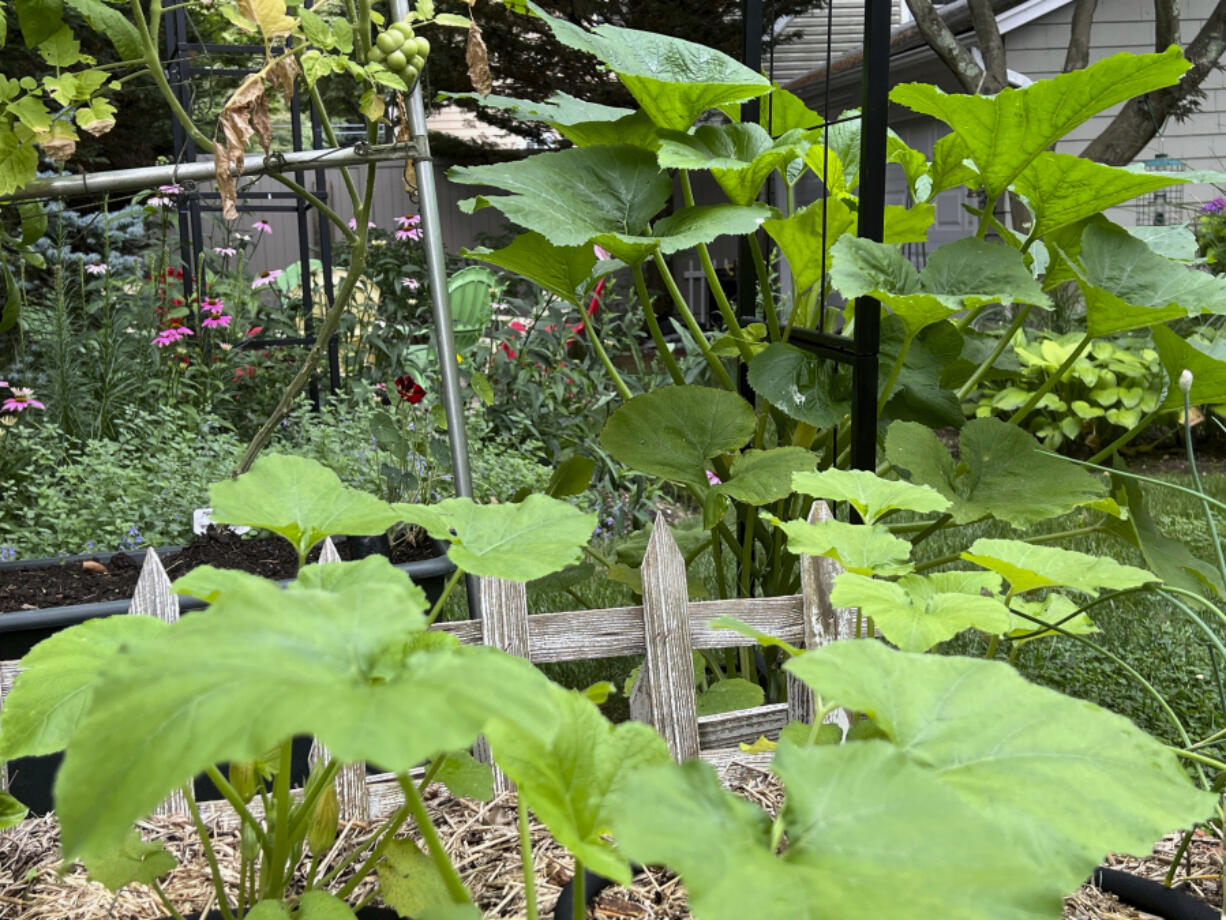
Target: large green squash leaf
<point>806,237</point>
<point>674,80</point>
<point>757,477</point>
<point>409,881</point>
<point>578,196</point>
<point>517,541</point>
<point>958,276</point>
<point>1206,360</point>
<point>135,860</point>
<point>1169,559</point>
<point>570,783</point>
<point>783,111</point>
<point>1062,189</point>
<point>740,156</point>
<point>866,549</point>
<point>1065,781</point>
<point>12,812</point>
<point>355,668</point>
<point>56,688</point>
<point>871,496</point>
<point>1128,286</point>
<point>869,835</point>
<point>559,110</point>
<point>561,270</point>
<point>1004,133</point>
<point>673,431</point>
<point>800,384</point>
<point>921,391</point>
<point>914,614</point>
<point>1001,472</point>
<point>300,499</point>
<point>1027,566</point>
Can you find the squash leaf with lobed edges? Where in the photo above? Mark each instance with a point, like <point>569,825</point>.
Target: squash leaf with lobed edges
<point>1129,286</point>
<point>914,613</point>
<point>800,384</point>
<point>562,270</point>
<point>1001,472</point>
<point>961,275</point>
<point>135,860</point>
<point>871,496</point>
<point>866,549</point>
<point>869,835</point>
<point>740,156</point>
<point>570,782</point>
<point>673,431</point>
<point>1003,134</point>
<point>55,688</point>
<point>1027,566</point>
<point>353,667</point>
<point>672,79</point>
<point>519,541</point>
<point>1063,780</point>
<point>300,499</point>
<point>1205,359</point>
<point>757,477</point>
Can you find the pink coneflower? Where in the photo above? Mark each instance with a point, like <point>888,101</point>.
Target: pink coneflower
<point>22,399</point>
<point>225,251</point>
<point>601,252</point>
<point>96,268</point>
<point>712,478</point>
<point>353,223</point>
<point>217,321</point>
<point>262,226</point>
<point>266,278</point>
<point>212,304</point>
<point>171,335</point>
<point>413,234</point>
<point>159,201</point>
<point>170,189</point>
<point>408,220</point>
<point>411,283</point>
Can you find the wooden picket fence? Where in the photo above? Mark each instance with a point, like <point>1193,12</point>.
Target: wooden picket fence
<point>665,629</point>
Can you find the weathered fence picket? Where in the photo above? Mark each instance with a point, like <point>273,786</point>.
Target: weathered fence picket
<point>665,630</point>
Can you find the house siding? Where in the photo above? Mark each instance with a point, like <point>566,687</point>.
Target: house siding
<point>798,58</point>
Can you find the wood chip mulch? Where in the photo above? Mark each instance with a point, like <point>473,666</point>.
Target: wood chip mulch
<point>484,844</point>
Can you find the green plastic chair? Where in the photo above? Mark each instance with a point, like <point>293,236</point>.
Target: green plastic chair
<point>470,290</point>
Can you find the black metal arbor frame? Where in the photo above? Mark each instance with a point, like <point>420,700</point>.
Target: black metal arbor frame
<point>859,351</point>
<point>183,73</point>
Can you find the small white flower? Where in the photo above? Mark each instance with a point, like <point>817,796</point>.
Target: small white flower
<point>1185,381</point>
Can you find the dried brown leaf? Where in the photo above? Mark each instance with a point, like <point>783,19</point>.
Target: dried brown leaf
<point>478,62</point>
<point>58,147</point>
<point>227,187</point>
<point>261,122</point>
<point>281,75</point>
<point>99,126</point>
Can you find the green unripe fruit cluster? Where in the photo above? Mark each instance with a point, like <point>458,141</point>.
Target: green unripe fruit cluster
<point>402,52</point>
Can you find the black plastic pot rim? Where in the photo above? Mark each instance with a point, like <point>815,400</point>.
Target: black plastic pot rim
<point>48,617</point>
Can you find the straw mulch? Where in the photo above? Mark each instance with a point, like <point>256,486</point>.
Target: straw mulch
<point>484,843</point>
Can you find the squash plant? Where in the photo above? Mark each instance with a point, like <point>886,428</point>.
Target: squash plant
<point>965,792</point>
<point>736,457</point>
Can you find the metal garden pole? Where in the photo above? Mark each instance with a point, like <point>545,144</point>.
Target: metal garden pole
<point>432,239</point>
<point>874,108</point>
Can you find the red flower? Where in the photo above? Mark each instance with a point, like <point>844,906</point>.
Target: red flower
<point>409,389</point>
<point>507,348</point>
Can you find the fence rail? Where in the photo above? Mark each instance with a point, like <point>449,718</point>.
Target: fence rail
<point>665,629</point>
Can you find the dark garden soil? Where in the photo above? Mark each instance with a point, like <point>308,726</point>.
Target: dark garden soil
<point>115,579</point>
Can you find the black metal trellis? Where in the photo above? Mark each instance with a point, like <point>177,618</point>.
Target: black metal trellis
<point>193,203</point>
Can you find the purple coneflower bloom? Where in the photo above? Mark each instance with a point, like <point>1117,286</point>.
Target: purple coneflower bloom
<point>409,220</point>
<point>411,283</point>
<point>96,268</point>
<point>412,234</point>
<point>226,251</point>
<point>170,189</point>
<point>159,201</point>
<point>266,278</point>
<point>217,321</point>
<point>262,226</point>
<point>212,304</point>
<point>22,399</point>
<point>353,223</point>
<point>171,335</point>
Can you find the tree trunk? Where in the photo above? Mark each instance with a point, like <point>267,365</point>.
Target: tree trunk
<point>1166,24</point>
<point>987,33</point>
<point>1078,55</point>
<point>1139,120</point>
<point>939,37</point>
